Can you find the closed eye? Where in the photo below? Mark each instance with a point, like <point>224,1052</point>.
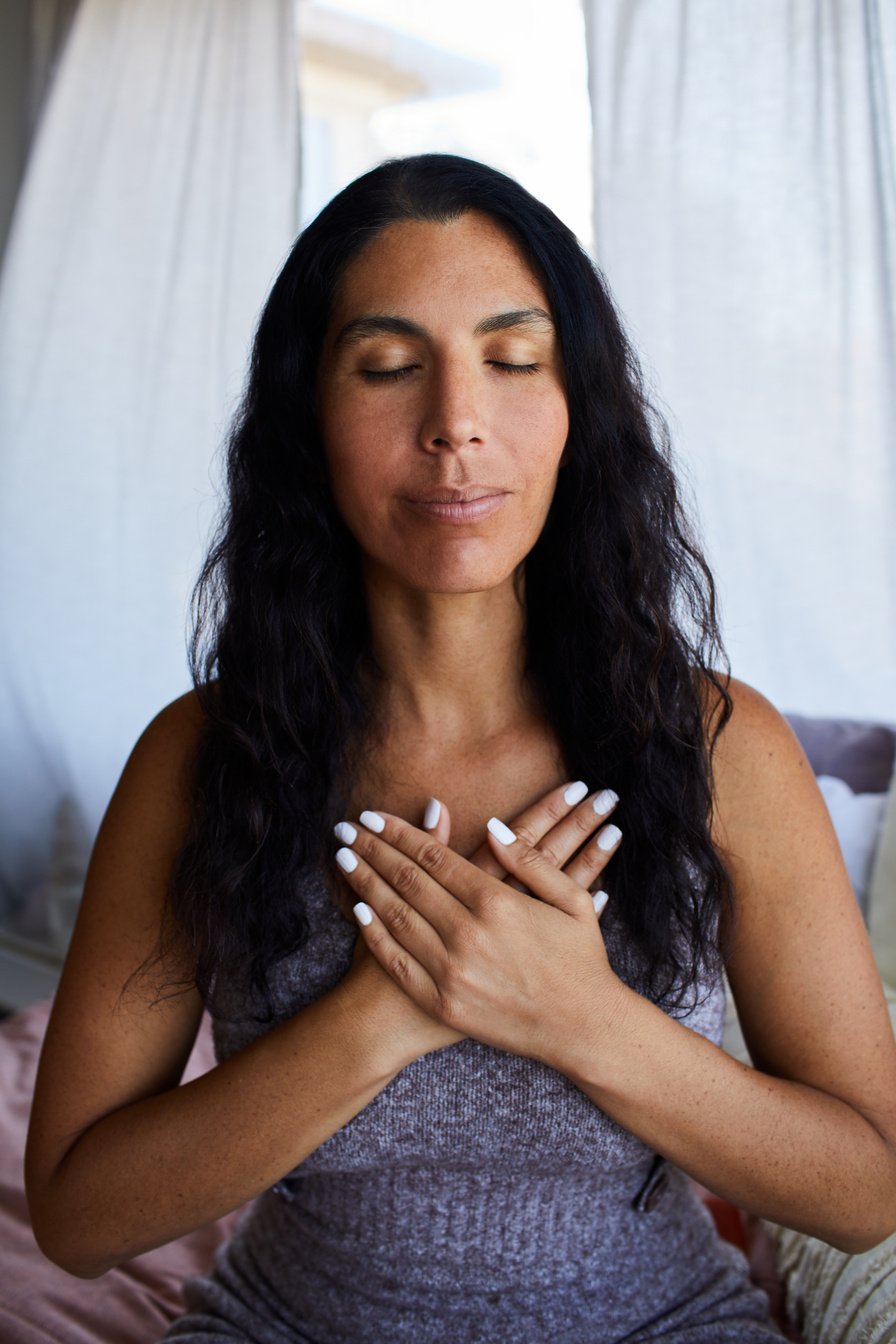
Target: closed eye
<point>388,375</point>
<point>395,375</point>
<point>513,368</point>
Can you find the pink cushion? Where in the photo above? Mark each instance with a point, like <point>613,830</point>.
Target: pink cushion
<point>41,1304</point>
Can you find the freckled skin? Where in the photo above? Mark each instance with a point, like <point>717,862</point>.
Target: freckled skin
<point>454,416</point>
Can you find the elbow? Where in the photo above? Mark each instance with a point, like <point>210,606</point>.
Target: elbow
<point>60,1251</point>
<point>80,1271</point>
<point>874,1220</point>
<point>869,1231</point>
<point>860,1240</point>
<point>60,1246</point>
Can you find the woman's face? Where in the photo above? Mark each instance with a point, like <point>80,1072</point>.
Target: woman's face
<point>441,373</point>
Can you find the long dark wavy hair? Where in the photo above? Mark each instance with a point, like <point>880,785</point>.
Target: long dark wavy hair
<point>621,634</point>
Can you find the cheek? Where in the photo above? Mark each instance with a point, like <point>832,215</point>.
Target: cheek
<point>542,430</point>
<point>359,451</point>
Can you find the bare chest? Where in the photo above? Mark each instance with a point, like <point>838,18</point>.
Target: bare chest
<point>473,785</point>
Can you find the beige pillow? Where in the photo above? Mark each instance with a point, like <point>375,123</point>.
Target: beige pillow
<point>882,893</point>
<point>835,1298</point>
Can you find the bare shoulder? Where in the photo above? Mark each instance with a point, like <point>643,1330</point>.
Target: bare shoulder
<point>758,764</point>
<point>755,729</point>
<point>167,745</point>
<point>141,833</point>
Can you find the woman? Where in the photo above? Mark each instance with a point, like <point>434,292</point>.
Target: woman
<point>464,1104</point>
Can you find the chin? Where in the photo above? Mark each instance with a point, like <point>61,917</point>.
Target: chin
<point>439,578</point>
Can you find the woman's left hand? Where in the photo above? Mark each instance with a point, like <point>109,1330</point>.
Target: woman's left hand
<point>473,952</point>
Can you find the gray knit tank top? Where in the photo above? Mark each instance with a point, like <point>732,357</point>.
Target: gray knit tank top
<point>479,1198</point>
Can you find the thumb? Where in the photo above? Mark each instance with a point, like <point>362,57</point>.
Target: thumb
<point>438,818</point>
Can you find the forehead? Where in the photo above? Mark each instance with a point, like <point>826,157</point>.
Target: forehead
<point>417,264</point>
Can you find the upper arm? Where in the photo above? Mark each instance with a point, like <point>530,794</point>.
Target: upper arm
<point>800,965</point>
<point>104,1049</point>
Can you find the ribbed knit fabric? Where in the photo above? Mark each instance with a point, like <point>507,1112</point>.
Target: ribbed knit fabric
<point>480,1198</point>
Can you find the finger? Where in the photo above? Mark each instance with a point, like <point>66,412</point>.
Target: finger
<point>599,901</point>
<point>576,826</point>
<point>396,960</point>
<point>592,858</point>
<point>406,925</point>
<point>559,822</point>
<point>537,872</point>
<point>486,862</point>
<point>438,882</point>
<point>415,872</point>
<point>437,820</point>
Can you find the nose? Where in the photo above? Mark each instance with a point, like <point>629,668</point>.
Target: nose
<point>453,413</point>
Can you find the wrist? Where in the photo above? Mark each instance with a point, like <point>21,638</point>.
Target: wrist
<point>371,1019</point>
<point>588,1049</point>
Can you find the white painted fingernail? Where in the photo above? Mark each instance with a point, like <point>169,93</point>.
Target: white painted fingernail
<point>372,820</point>
<point>605,800</point>
<point>599,900</point>
<point>608,837</point>
<point>576,792</point>
<point>432,814</point>
<point>347,861</point>
<point>500,831</point>
<point>362,913</point>
<point>344,831</point>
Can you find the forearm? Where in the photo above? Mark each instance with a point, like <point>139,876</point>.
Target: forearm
<point>152,1171</point>
<point>780,1149</point>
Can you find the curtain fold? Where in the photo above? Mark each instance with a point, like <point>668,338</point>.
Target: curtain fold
<point>159,199</point>
<point>745,215</point>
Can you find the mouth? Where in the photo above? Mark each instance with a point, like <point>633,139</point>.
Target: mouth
<point>469,510</point>
<point>462,495</point>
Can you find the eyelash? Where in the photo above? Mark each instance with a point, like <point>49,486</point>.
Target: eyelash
<point>396,375</point>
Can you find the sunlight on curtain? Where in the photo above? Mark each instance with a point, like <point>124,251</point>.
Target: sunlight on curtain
<point>159,198</point>
<point>745,214</point>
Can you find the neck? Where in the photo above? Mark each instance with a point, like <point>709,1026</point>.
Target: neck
<point>453,664</point>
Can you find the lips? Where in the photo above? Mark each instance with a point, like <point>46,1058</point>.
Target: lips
<point>459,511</point>
<point>461,495</point>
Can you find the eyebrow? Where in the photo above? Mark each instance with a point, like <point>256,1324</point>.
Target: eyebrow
<point>380,324</point>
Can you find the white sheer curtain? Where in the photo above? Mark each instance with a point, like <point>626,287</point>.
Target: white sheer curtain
<point>745,215</point>
<point>160,196</point>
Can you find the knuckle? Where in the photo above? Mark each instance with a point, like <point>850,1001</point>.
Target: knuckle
<point>397,918</point>
<point>432,857</point>
<point>454,981</point>
<point>585,821</point>
<point>400,968</point>
<point>555,860</point>
<point>558,808</point>
<point>406,879</point>
<point>488,899</point>
<point>362,881</point>
<point>449,1008</point>
<point>527,834</point>
<point>531,858</point>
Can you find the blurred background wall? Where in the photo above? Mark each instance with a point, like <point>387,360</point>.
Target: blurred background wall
<point>730,165</point>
